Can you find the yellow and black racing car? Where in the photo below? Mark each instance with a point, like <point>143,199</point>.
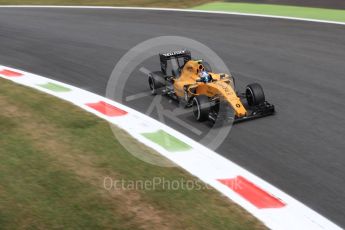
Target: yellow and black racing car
<point>212,95</point>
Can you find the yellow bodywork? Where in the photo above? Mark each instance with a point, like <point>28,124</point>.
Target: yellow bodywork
<point>221,86</point>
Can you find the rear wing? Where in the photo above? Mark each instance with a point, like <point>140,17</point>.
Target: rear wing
<point>175,54</point>
<point>185,55</point>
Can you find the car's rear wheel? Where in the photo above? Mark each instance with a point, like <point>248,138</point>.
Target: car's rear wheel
<point>155,82</point>
<point>255,94</point>
<point>201,107</point>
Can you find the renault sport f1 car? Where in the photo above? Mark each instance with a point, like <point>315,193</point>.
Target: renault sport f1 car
<point>193,83</point>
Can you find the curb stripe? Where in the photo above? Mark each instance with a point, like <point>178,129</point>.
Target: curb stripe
<point>54,87</point>
<point>167,141</point>
<point>252,193</point>
<point>10,73</point>
<point>107,109</point>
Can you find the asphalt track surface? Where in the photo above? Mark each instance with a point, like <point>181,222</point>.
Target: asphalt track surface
<point>300,64</point>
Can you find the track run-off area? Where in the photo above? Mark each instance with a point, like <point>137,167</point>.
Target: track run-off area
<point>299,63</point>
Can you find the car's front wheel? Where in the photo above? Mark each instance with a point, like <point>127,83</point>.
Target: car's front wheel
<point>255,94</point>
<point>201,107</point>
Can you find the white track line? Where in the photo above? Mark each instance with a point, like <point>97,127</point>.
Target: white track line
<point>177,10</point>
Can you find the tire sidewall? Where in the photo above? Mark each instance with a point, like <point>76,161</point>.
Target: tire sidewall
<point>201,107</point>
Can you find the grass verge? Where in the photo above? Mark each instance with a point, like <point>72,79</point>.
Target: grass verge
<point>54,158</point>
<point>276,10</point>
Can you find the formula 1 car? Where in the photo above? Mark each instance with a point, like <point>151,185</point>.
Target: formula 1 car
<point>193,83</point>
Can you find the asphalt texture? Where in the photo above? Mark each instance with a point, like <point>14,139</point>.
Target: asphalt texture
<point>300,65</point>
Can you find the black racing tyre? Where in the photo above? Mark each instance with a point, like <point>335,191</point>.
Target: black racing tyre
<point>255,94</point>
<point>156,82</point>
<point>201,107</point>
<point>207,66</point>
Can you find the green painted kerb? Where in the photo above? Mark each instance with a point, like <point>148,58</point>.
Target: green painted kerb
<point>167,141</point>
<point>55,87</point>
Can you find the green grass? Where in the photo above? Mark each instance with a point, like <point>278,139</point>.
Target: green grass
<point>53,161</point>
<point>277,10</point>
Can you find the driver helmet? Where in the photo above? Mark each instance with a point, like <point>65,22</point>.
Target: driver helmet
<point>204,76</point>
